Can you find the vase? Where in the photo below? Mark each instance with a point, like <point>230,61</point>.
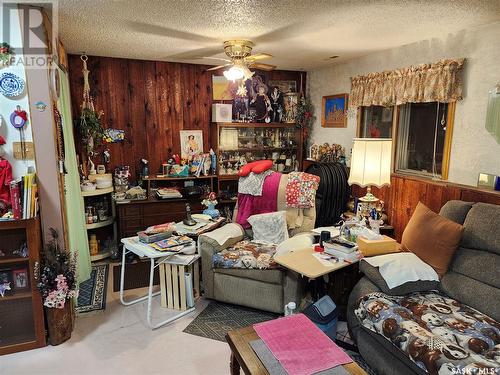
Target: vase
<point>60,322</point>
<point>212,211</point>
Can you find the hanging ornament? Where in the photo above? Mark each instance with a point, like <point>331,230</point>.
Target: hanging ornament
<point>5,54</point>
<point>18,119</point>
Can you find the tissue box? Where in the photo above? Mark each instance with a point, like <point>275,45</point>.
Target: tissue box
<point>371,248</point>
<point>222,112</point>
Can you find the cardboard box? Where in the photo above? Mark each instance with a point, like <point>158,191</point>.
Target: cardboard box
<point>378,247</point>
<point>222,112</point>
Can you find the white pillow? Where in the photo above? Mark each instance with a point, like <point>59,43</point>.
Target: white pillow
<point>400,268</point>
<point>269,227</point>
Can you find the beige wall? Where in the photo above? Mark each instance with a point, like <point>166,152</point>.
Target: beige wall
<point>474,150</point>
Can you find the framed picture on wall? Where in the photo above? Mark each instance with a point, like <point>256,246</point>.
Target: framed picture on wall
<point>334,111</point>
<point>191,143</point>
<point>283,85</point>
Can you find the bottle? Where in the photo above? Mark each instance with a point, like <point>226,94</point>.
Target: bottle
<point>290,308</point>
<point>93,245</point>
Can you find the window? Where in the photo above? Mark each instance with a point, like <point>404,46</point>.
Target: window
<point>423,139</point>
<point>375,122</point>
<point>422,135</point>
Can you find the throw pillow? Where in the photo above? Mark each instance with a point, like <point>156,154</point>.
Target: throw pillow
<point>373,273</point>
<point>270,227</point>
<point>431,237</point>
<point>258,166</point>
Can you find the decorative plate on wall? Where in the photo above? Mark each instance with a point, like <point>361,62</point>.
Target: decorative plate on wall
<point>11,85</point>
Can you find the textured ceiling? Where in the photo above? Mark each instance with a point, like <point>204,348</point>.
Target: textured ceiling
<point>300,34</point>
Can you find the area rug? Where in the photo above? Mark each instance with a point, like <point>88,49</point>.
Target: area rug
<point>92,292</point>
<point>219,318</point>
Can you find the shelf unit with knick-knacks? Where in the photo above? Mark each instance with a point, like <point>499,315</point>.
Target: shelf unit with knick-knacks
<point>237,143</point>
<point>21,311</point>
<point>100,220</point>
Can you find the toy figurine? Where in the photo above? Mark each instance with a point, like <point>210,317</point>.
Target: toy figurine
<point>3,288</point>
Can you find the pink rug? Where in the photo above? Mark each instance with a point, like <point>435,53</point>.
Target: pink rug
<point>300,346</point>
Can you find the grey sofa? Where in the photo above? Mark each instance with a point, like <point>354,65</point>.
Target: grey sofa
<point>267,290</point>
<point>473,279</point>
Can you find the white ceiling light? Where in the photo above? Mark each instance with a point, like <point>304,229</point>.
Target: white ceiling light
<point>234,73</point>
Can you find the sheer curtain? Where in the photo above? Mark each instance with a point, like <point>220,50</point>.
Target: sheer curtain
<point>75,213</point>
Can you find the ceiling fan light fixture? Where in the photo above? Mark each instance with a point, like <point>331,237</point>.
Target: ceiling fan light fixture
<point>234,73</point>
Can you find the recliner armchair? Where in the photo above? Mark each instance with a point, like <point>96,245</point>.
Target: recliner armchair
<point>267,290</point>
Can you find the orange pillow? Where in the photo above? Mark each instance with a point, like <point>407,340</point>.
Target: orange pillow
<point>431,237</point>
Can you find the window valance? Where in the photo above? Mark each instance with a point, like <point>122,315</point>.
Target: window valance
<point>437,82</point>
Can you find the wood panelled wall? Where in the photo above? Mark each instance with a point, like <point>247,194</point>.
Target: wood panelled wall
<point>405,192</point>
<point>151,101</point>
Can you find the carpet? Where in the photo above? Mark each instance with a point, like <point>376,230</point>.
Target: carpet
<point>136,276</point>
<point>219,318</point>
<point>92,292</point>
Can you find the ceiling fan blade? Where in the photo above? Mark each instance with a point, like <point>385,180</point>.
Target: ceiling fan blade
<point>146,28</point>
<point>259,56</point>
<point>262,66</point>
<point>216,58</point>
<point>195,54</point>
<point>218,67</point>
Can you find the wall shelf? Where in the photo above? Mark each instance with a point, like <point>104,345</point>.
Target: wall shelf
<point>97,192</point>
<point>101,255</point>
<point>13,260</point>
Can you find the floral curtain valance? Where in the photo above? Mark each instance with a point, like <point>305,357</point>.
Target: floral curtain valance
<point>438,82</point>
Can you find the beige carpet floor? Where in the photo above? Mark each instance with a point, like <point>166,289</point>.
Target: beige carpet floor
<point>118,341</point>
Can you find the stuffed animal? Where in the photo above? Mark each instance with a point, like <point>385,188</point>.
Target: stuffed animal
<point>248,261</point>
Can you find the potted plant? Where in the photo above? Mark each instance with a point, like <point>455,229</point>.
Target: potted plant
<point>90,128</point>
<point>304,117</point>
<point>56,281</point>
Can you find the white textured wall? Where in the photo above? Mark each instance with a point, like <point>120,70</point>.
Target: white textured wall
<point>473,150</point>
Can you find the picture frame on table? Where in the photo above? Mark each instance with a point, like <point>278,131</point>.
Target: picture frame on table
<point>334,111</point>
<point>191,143</point>
<point>21,279</point>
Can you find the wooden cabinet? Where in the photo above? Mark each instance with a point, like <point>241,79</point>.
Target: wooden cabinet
<point>21,310</point>
<point>136,216</point>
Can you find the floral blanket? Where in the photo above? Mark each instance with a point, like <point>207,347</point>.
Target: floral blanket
<point>246,254</point>
<point>301,190</point>
<point>439,334</point>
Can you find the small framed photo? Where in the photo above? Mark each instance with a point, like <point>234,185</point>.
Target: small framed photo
<point>21,280</point>
<point>334,111</point>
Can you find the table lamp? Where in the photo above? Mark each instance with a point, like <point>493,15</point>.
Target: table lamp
<point>371,165</point>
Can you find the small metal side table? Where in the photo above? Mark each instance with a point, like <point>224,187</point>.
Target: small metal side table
<point>133,245</point>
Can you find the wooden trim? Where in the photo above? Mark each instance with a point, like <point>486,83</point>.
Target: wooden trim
<point>358,121</point>
<point>450,120</point>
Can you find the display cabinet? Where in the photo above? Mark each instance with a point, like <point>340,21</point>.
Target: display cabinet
<point>240,143</point>
<point>21,310</point>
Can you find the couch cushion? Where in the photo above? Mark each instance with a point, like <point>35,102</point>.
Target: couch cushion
<point>267,276</point>
<point>431,237</point>
<point>482,228</point>
<point>246,255</point>
<point>474,293</point>
<point>456,210</point>
<point>479,265</point>
<point>437,333</point>
<point>375,277</point>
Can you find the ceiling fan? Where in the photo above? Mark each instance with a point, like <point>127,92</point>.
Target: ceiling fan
<point>241,59</point>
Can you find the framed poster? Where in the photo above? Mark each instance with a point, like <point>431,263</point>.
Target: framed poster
<point>334,111</point>
<point>284,86</point>
<point>222,89</point>
<point>191,143</point>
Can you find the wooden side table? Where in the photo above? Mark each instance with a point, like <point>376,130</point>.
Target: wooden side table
<point>243,357</point>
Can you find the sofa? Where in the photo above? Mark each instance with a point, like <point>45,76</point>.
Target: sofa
<point>472,279</point>
<point>268,289</point>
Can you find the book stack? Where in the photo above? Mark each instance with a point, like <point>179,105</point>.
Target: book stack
<point>343,250</point>
<point>168,193</point>
<point>24,197</point>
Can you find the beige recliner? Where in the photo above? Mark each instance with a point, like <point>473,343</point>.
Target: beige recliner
<point>267,290</point>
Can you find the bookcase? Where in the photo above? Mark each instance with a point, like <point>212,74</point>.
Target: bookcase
<point>21,310</point>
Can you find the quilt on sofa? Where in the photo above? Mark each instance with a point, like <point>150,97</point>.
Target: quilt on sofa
<point>246,254</point>
<point>439,334</point>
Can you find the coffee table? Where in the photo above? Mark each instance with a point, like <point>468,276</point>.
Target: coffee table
<point>243,357</point>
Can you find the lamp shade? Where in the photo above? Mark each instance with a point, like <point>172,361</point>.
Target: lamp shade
<point>371,162</point>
